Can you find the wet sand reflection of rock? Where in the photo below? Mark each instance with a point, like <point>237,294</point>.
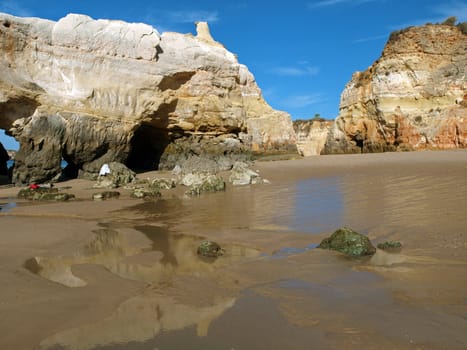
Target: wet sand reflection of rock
<point>170,254</point>
<point>140,319</point>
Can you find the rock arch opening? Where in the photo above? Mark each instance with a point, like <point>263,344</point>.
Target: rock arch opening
<point>8,146</point>
<point>151,138</point>
<point>146,148</point>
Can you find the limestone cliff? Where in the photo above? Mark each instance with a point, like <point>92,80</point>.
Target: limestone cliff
<point>312,135</point>
<point>413,97</point>
<point>94,91</point>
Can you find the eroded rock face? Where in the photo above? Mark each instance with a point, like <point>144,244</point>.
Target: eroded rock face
<point>413,97</point>
<point>96,91</point>
<point>312,135</point>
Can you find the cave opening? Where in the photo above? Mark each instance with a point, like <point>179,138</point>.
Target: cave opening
<point>70,170</point>
<point>8,147</point>
<point>146,148</point>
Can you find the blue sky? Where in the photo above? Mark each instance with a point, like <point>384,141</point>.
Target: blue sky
<point>302,53</point>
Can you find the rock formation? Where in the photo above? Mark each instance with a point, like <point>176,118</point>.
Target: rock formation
<point>413,97</point>
<point>312,135</point>
<point>95,91</point>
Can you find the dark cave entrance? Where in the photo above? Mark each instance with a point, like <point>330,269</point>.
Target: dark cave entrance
<point>147,146</point>
<point>359,141</point>
<point>8,145</point>
<point>70,170</point>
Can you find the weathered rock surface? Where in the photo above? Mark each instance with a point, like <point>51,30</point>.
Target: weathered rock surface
<point>105,195</point>
<point>200,154</point>
<point>312,135</point>
<point>96,91</point>
<point>44,194</point>
<point>242,175</point>
<point>202,183</point>
<point>413,97</point>
<point>162,184</point>
<point>119,176</point>
<point>141,192</point>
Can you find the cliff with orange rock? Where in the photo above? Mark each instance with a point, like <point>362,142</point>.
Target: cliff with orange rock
<point>412,98</point>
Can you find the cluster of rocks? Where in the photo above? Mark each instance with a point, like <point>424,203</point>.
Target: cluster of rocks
<point>122,177</point>
<point>204,181</point>
<point>344,240</point>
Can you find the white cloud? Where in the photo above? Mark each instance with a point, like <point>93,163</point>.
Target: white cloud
<point>328,3</point>
<point>370,38</point>
<point>300,101</point>
<point>13,8</point>
<point>191,16</point>
<point>295,71</point>
<point>176,21</point>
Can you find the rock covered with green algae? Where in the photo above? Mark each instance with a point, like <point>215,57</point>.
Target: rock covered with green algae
<point>105,195</point>
<point>145,193</point>
<point>210,249</point>
<point>44,194</point>
<point>348,242</point>
<point>206,183</point>
<point>390,245</point>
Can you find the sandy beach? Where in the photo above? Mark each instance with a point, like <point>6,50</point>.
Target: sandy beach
<point>124,273</point>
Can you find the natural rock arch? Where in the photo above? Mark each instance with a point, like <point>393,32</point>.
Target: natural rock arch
<point>97,91</point>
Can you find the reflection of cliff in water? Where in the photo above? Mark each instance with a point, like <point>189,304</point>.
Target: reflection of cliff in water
<point>140,319</point>
<point>165,256</point>
<point>169,254</point>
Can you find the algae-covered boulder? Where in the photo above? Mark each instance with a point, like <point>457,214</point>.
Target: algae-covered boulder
<point>44,194</point>
<point>390,245</point>
<point>57,197</point>
<point>349,242</point>
<point>208,183</point>
<point>210,249</point>
<point>105,195</point>
<point>162,184</point>
<point>145,193</point>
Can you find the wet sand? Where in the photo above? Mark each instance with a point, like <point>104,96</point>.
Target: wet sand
<point>124,274</point>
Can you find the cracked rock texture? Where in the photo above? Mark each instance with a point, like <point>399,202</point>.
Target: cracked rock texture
<point>413,97</point>
<point>96,91</point>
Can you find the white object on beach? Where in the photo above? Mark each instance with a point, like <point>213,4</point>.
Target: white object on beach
<point>104,170</point>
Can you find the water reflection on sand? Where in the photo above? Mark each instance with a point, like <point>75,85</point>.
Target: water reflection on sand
<point>274,289</point>
<point>140,319</point>
<point>167,255</point>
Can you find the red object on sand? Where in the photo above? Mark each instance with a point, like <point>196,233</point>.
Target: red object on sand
<point>33,186</point>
